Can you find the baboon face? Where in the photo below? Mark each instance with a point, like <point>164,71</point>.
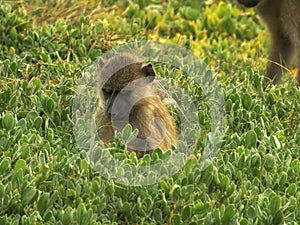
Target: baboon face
<point>129,77</point>
<point>127,83</point>
<point>249,3</point>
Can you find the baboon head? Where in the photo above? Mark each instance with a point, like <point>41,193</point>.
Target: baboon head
<point>249,3</point>
<point>124,75</point>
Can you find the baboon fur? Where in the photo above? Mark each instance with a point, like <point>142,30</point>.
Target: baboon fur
<point>119,77</point>
<point>283,20</point>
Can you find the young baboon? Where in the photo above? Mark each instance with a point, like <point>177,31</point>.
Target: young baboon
<point>127,96</point>
<point>283,20</point>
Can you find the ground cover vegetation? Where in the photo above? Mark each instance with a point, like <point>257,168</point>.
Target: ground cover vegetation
<point>45,45</point>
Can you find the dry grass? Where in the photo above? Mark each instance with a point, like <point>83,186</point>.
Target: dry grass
<point>49,11</point>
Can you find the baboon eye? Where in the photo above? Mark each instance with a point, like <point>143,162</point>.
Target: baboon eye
<point>149,70</point>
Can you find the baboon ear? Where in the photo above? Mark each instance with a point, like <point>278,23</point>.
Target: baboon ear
<point>149,70</point>
<point>100,61</point>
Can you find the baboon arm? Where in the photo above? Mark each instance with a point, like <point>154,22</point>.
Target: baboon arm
<point>298,65</point>
<point>280,56</point>
<point>298,76</point>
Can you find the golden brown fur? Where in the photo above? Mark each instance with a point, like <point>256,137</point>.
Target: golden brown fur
<point>127,96</point>
<point>283,20</point>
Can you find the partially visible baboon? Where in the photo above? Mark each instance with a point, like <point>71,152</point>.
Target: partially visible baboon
<point>283,20</point>
<point>127,96</point>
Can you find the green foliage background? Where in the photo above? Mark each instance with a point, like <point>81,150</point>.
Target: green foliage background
<point>44,46</point>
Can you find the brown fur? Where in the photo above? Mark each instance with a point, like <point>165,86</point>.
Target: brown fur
<point>283,20</point>
<point>119,80</point>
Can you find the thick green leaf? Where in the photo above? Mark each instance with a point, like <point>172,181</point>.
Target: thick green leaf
<point>250,139</point>
<point>246,101</point>
<point>275,142</point>
<point>43,203</point>
<point>8,121</point>
<point>28,195</point>
<point>67,217</point>
<point>277,218</point>
<point>229,215</point>
<point>20,164</point>
<point>275,205</point>
<point>186,213</point>
<point>4,165</point>
<point>269,162</point>
<point>175,219</point>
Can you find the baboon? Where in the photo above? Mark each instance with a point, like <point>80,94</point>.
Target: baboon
<point>283,21</point>
<point>127,96</point>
